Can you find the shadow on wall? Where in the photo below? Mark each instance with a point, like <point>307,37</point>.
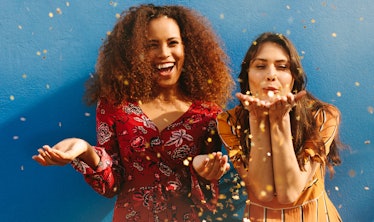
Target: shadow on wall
<point>31,192</point>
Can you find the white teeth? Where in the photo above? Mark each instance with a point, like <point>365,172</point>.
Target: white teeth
<point>165,65</point>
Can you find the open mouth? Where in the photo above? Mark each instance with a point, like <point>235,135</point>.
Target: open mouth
<point>166,68</point>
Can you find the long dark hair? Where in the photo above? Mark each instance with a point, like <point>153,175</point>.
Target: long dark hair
<point>303,122</point>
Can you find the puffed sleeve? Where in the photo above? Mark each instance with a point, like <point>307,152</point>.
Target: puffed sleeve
<point>107,177</point>
<point>327,120</point>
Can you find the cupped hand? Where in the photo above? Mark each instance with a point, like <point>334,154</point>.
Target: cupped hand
<point>211,166</point>
<point>255,106</point>
<point>62,153</point>
<point>283,104</point>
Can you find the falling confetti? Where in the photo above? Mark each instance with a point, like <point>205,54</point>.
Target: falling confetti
<point>371,109</point>
<point>339,94</point>
<point>50,15</point>
<point>11,97</point>
<point>333,34</point>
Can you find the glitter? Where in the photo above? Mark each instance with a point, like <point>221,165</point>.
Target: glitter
<point>11,97</point>
<point>313,21</point>
<point>357,84</point>
<point>367,142</point>
<point>67,4</point>
<point>288,7</point>
<point>45,51</point>
<point>333,34</point>
<point>246,103</point>
<point>222,16</point>
<point>210,81</point>
<point>262,126</point>
<point>209,139</point>
<point>118,15</point>
<point>59,124</point>
<point>38,53</point>
<point>254,43</point>
<point>50,15</point>
<point>370,109</point>
<point>22,168</point>
<point>15,137</point>
<point>270,94</point>
<point>268,154</point>
<point>58,11</point>
<point>23,119</point>
<point>87,114</point>
<point>339,94</point>
<point>210,156</point>
<point>24,76</point>
<point>366,188</point>
<point>47,86</point>
<point>19,26</point>
<point>186,162</point>
<point>337,188</point>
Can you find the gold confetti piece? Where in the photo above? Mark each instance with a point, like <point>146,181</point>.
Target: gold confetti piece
<point>126,82</point>
<point>352,173</point>
<point>210,156</point>
<point>336,188</point>
<point>19,26</point>
<point>22,168</point>
<point>15,137</point>
<point>246,103</point>
<point>367,142</point>
<point>209,140</point>
<point>339,94</point>
<point>313,21</point>
<point>67,4</point>
<point>58,11</point>
<point>333,34</point>
<point>186,162</point>
<point>24,76</point>
<point>370,109</point>
<point>50,15</point>
<point>222,16</point>
<point>254,43</point>
<point>366,188</point>
<point>45,51</point>
<point>158,155</point>
<point>210,81</point>
<point>118,15</point>
<point>11,97</point>
<point>87,114</point>
<point>357,84</point>
<point>38,53</point>
<point>23,119</point>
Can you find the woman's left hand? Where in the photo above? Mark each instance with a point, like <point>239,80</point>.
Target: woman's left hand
<point>282,105</point>
<point>211,166</point>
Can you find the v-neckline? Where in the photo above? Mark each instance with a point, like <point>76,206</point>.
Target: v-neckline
<point>177,119</point>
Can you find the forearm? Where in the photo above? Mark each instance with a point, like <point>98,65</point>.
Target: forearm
<point>260,166</point>
<point>288,177</point>
<point>90,157</point>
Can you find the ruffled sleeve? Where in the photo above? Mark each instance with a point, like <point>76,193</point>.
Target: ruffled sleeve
<point>230,137</point>
<point>327,123</point>
<point>107,177</point>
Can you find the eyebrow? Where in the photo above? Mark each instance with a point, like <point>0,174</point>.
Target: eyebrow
<point>169,39</point>
<point>265,60</point>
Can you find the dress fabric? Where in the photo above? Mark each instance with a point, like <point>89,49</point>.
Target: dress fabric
<point>313,205</point>
<point>149,170</point>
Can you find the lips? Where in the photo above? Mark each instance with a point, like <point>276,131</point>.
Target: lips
<point>165,69</point>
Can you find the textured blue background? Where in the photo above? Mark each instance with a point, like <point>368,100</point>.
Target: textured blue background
<point>49,48</point>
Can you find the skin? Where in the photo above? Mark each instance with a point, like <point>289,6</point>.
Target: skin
<point>165,51</point>
<point>273,170</point>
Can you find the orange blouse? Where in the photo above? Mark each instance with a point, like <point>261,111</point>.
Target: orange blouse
<point>313,204</point>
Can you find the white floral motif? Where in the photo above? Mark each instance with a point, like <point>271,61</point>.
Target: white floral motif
<point>177,138</point>
<point>103,133</point>
<point>146,122</point>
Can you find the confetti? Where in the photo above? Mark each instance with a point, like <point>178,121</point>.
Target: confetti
<point>11,97</point>
<point>270,94</point>
<point>366,188</point>
<point>222,16</point>
<point>336,188</point>
<point>371,109</point>
<point>24,76</point>
<point>23,119</point>
<point>357,84</point>
<point>339,94</point>
<point>22,168</point>
<point>15,137</point>
<point>50,15</point>
<point>367,142</point>
<point>333,34</point>
<point>87,114</point>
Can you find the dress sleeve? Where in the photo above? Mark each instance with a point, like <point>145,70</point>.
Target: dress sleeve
<point>107,177</point>
<point>205,193</point>
<point>327,123</point>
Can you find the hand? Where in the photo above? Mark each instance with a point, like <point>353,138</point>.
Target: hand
<point>258,108</point>
<point>62,153</point>
<point>283,104</point>
<point>211,166</point>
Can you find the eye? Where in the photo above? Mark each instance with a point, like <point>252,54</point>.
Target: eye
<point>283,66</point>
<point>260,66</point>
<point>173,43</point>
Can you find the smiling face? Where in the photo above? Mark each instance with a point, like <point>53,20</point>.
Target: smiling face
<point>269,72</point>
<point>165,50</point>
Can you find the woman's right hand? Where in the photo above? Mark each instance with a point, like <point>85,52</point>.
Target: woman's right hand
<point>63,152</point>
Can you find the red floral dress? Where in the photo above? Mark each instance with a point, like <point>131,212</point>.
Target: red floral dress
<point>151,171</point>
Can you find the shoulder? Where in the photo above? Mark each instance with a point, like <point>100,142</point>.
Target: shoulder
<point>326,114</point>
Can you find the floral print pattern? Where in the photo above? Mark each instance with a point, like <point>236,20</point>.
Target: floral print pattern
<point>146,168</point>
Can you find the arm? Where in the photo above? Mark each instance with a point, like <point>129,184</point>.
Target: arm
<point>289,179</point>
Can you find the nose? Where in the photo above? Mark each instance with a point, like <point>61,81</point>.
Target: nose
<point>271,77</point>
<point>164,51</point>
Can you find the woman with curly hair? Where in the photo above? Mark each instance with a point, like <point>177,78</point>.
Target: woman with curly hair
<point>281,138</point>
<point>161,79</point>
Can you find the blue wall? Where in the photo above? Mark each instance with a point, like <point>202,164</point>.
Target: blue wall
<point>48,49</point>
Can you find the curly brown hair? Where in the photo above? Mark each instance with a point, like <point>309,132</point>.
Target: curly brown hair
<point>123,73</point>
<point>303,123</point>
